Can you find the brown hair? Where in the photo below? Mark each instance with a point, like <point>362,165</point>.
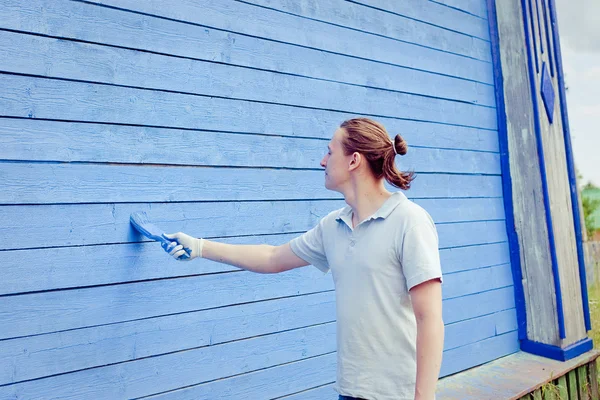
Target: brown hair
<point>370,139</point>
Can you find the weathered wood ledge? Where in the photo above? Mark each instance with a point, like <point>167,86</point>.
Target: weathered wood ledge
<point>517,375</point>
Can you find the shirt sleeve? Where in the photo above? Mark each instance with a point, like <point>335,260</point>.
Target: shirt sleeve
<point>309,247</point>
<point>420,255</point>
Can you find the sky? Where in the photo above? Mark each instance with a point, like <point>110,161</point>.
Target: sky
<point>579,30</point>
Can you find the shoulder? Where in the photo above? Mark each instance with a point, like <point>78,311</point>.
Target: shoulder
<point>409,214</point>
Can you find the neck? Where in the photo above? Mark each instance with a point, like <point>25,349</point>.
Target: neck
<point>365,198</point>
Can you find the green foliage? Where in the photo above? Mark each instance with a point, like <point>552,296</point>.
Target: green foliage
<point>590,205</point>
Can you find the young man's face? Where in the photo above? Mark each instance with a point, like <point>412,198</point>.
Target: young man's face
<point>336,163</point>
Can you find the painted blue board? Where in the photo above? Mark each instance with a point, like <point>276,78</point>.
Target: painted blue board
<point>479,353</point>
<point>377,22</point>
<point>32,357</point>
<point>174,370</point>
<point>268,383</point>
<point>474,7</point>
<point>134,145</point>
<point>168,36</point>
<point>318,393</point>
<point>31,271</point>
<point>462,333</point>
<point>67,351</point>
<point>86,224</point>
<point>36,356</point>
<point>84,136</point>
<point>37,183</point>
<point>46,56</point>
<point>198,43</point>
<point>33,98</point>
<point>304,32</point>
<point>466,307</point>
<point>435,14</point>
<point>478,280</point>
<point>45,312</point>
<point>203,78</point>
<point>464,258</point>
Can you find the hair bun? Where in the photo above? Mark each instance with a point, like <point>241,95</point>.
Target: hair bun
<point>400,145</point>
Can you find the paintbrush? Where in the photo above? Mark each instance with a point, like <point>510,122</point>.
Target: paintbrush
<point>140,221</point>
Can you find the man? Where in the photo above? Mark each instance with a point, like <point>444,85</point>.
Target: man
<point>382,250</point>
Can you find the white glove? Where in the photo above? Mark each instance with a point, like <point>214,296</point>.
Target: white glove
<point>183,247</point>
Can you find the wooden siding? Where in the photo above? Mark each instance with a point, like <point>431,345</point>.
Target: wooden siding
<point>212,117</point>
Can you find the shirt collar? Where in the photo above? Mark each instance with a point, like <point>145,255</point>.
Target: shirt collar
<point>345,214</point>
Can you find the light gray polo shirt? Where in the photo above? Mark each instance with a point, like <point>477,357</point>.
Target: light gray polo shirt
<point>373,266</point>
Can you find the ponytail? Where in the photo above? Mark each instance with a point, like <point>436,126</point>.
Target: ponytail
<point>370,138</point>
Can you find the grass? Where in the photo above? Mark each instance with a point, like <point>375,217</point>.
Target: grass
<point>594,299</point>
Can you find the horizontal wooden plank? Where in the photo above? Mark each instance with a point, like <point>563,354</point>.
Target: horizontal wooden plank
<point>272,383</point>
<point>474,7</point>
<point>67,142</point>
<point>45,312</point>
<point>82,266</point>
<point>434,13</point>
<point>197,42</point>
<point>59,58</point>
<point>172,371</point>
<point>39,226</point>
<point>319,393</point>
<point>32,97</point>
<point>61,352</point>
<point>479,328</point>
<point>41,183</point>
<point>471,233</point>
<point>92,135</point>
<point>475,305</point>
<point>467,258</point>
<point>462,358</point>
<point>286,28</point>
<point>88,224</point>
<point>478,280</point>
<point>388,25</point>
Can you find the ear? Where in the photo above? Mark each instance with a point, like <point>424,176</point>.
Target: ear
<point>355,161</point>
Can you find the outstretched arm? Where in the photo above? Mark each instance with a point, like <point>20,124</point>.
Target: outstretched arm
<point>262,258</point>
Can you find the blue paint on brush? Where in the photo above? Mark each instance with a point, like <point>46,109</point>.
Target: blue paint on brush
<point>140,221</point>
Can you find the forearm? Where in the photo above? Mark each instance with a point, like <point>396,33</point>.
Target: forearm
<point>255,258</point>
<point>430,345</point>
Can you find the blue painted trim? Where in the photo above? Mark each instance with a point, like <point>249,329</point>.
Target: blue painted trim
<point>535,52</point>
<point>570,168</point>
<point>538,134</point>
<point>539,26</point>
<point>513,239</point>
<point>548,23</point>
<point>555,352</point>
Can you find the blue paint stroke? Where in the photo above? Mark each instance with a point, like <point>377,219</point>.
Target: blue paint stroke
<point>140,222</point>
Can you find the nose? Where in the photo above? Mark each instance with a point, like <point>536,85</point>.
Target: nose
<point>324,161</point>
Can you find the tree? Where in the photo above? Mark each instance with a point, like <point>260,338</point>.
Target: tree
<point>589,205</point>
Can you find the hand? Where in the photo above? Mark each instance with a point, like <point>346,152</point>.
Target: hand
<point>183,247</point>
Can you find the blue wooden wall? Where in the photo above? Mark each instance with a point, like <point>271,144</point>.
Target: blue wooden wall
<point>212,117</point>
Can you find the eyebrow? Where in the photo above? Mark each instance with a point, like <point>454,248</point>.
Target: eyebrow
<point>328,148</point>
